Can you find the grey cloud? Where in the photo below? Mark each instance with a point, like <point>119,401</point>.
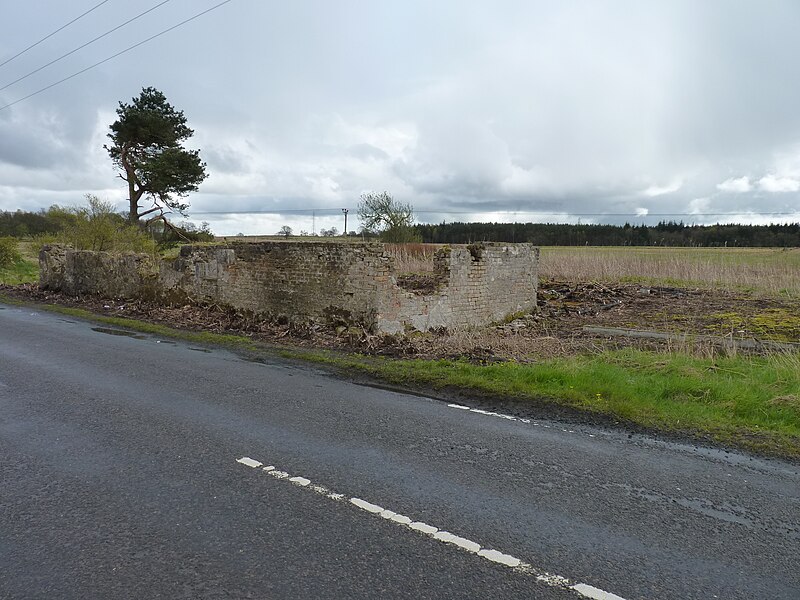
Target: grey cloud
<point>569,107</point>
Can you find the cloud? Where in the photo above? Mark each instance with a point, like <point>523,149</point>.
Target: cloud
<point>543,110</point>
<point>771,183</point>
<point>655,190</point>
<point>738,185</point>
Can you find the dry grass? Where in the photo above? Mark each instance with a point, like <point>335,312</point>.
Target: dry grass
<point>767,271</point>
<point>413,258</point>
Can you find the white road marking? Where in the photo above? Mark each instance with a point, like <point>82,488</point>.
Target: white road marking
<point>495,556</point>
<point>489,413</point>
<point>593,592</point>
<point>367,506</point>
<point>423,528</point>
<point>499,557</point>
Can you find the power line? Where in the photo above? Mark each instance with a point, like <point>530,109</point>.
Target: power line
<point>506,212</point>
<point>113,56</point>
<point>48,36</point>
<point>99,37</point>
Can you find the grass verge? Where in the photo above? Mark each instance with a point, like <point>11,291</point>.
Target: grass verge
<point>748,402</point>
<point>745,401</point>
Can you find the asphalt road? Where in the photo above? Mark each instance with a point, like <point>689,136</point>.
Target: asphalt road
<point>119,478</point>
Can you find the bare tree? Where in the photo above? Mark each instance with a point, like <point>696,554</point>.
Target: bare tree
<point>393,219</point>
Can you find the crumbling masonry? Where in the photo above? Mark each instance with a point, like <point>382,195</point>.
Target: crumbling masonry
<point>337,283</point>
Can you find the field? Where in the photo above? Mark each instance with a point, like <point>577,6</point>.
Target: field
<point>765,271</point>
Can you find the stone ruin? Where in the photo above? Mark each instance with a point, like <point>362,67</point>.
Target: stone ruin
<point>353,284</point>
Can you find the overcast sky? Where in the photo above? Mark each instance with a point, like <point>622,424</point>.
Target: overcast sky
<point>547,111</point>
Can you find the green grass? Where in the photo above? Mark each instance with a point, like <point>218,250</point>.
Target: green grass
<point>22,271</point>
<point>750,402</point>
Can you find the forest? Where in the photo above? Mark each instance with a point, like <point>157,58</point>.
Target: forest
<point>665,233</point>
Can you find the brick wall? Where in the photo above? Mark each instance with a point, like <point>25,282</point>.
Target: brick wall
<point>336,283</point>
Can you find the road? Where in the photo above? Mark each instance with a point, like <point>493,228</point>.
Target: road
<point>137,467</point>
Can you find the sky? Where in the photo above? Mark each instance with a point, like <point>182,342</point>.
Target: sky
<point>573,111</point>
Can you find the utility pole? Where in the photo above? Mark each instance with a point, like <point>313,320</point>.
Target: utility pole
<point>345,211</point>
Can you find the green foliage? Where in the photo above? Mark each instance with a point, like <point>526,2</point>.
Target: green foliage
<point>393,219</point>
<point>147,147</point>
<point>401,235</point>
<point>9,254</point>
<point>97,227</point>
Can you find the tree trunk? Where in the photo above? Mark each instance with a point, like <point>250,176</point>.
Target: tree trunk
<point>134,195</point>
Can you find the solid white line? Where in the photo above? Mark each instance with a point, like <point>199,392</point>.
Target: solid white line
<point>446,537</point>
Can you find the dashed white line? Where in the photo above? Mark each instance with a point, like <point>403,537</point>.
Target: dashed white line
<point>367,506</point>
<point>499,557</point>
<point>495,556</point>
<point>594,593</point>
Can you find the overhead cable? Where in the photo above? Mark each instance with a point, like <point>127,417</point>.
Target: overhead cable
<point>99,37</point>
<point>113,56</point>
<point>48,36</point>
<point>508,212</point>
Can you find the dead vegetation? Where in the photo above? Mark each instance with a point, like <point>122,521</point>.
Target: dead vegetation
<point>567,313</point>
<point>766,271</point>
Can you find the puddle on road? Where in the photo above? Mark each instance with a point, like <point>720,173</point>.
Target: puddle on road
<point>170,342</point>
<point>130,334</point>
<point>206,350</point>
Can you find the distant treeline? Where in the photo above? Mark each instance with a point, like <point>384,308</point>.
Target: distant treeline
<point>22,224</point>
<point>666,233</point>
<point>57,219</point>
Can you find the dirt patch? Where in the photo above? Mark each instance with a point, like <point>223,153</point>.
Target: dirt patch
<point>557,328</point>
<point>420,284</point>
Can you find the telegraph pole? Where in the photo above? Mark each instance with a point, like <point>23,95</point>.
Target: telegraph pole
<point>345,211</point>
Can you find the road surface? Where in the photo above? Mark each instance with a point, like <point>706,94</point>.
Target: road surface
<point>138,467</point>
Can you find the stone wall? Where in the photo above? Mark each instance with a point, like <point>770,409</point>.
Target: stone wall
<point>335,283</point>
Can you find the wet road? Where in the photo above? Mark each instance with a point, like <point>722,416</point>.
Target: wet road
<point>132,466</point>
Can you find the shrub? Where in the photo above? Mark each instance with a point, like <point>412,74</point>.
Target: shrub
<point>97,227</point>
<point>8,252</point>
